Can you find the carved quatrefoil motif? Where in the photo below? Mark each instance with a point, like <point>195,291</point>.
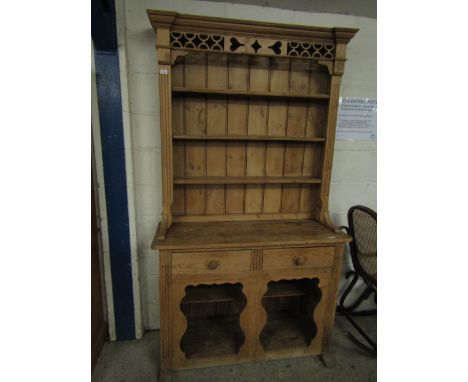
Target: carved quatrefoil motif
<point>256,46</point>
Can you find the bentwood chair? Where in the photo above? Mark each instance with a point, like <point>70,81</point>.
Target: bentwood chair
<point>362,227</point>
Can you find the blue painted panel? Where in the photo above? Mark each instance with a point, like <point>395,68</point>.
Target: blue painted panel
<point>103,25</point>
<point>113,155</point>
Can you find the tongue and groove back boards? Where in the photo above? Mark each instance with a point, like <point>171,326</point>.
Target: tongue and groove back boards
<point>238,77</point>
<point>198,115</point>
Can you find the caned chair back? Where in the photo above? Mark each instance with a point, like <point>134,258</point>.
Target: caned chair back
<point>363,228</point>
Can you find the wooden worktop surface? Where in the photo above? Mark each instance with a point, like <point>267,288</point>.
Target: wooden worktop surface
<point>248,234</point>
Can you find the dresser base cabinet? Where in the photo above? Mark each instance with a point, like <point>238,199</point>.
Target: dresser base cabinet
<point>242,301</point>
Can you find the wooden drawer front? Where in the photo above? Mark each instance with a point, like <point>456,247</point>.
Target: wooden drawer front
<point>210,262</point>
<point>297,258</point>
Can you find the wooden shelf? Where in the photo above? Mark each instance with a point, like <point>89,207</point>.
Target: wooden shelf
<point>212,294</point>
<point>240,93</point>
<point>246,138</point>
<point>284,332</point>
<point>285,289</point>
<point>245,180</point>
<point>212,337</point>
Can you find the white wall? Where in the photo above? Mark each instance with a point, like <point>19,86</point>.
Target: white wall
<point>354,171</point>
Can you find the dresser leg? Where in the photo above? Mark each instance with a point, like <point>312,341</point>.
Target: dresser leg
<point>165,375</point>
<point>328,358</point>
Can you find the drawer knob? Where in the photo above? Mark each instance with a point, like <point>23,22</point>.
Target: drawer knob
<point>299,260</point>
<point>213,264</point>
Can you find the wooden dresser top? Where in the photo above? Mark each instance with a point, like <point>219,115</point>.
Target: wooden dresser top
<point>249,234</point>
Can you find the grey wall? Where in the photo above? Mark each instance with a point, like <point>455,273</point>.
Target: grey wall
<point>363,8</point>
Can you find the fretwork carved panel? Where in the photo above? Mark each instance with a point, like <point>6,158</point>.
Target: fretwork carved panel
<point>197,41</point>
<point>310,50</point>
<point>252,45</point>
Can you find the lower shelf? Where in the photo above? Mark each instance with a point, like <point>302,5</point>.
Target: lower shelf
<point>284,332</point>
<point>213,317</point>
<point>246,180</point>
<point>212,337</point>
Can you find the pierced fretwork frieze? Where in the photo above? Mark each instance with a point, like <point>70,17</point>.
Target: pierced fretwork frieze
<point>197,41</point>
<point>252,45</point>
<point>312,50</point>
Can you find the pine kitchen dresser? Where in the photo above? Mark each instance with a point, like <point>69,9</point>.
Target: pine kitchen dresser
<point>249,257</point>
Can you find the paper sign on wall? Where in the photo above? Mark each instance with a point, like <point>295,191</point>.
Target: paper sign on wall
<point>357,118</point>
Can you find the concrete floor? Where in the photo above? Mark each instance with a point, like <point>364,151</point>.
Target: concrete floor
<point>137,361</point>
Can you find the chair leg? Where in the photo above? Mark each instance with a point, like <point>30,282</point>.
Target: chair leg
<point>372,349</point>
<point>364,296</point>
<point>353,282</point>
<point>360,345</point>
<point>370,312</point>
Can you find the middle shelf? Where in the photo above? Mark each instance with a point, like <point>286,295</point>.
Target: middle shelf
<point>246,138</point>
<point>245,180</point>
<point>219,293</point>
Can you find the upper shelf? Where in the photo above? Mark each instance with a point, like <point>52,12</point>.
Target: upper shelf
<point>241,93</point>
<point>246,138</point>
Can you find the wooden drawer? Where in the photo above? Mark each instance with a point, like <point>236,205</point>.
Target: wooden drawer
<point>210,262</point>
<point>297,258</point>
